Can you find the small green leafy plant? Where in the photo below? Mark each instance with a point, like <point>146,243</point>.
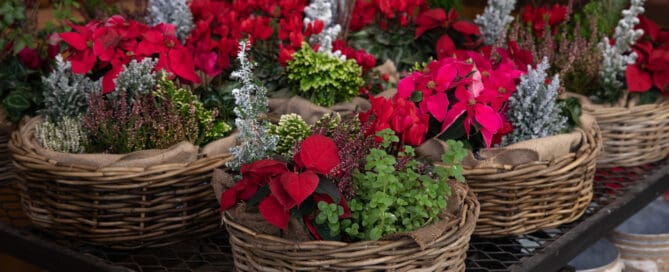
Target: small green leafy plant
<point>322,78</point>
<point>394,193</point>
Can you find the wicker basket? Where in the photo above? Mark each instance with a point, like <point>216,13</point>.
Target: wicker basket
<point>118,207</point>
<point>633,135</point>
<point>523,198</point>
<point>254,251</point>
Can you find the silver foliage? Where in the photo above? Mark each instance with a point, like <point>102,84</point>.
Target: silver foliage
<point>175,12</point>
<point>496,17</point>
<point>322,10</point>
<point>65,93</point>
<point>616,58</point>
<point>251,105</point>
<point>534,110</point>
<point>136,78</point>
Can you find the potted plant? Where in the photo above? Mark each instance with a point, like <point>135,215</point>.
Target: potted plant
<point>122,153</point>
<point>612,63</point>
<point>339,196</point>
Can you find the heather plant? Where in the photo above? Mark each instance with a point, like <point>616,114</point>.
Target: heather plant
<point>290,130</point>
<point>616,57</point>
<point>322,78</point>
<point>495,19</point>
<point>66,94</point>
<point>65,135</point>
<point>175,12</point>
<point>251,105</point>
<point>190,107</point>
<point>533,109</point>
<point>115,126</point>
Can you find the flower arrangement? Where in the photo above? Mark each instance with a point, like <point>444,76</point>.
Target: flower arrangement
<point>146,110</point>
<point>341,180</point>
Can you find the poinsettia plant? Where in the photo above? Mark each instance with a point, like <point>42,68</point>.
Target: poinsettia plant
<point>651,70</point>
<point>105,46</point>
<point>462,95</point>
<point>410,31</point>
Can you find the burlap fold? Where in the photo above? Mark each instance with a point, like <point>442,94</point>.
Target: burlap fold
<point>423,237</point>
<point>541,149</point>
<point>183,152</point>
<point>311,112</point>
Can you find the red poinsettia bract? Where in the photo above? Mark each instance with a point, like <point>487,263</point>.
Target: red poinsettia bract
<point>399,114</point>
<point>539,17</point>
<point>318,155</point>
<point>651,69</point>
<point>116,41</point>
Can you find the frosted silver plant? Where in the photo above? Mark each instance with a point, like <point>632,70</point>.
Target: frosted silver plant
<point>66,135</point>
<point>496,17</point>
<point>322,10</point>
<point>66,93</point>
<point>534,110</point>
<point>251,105</point>
<point>136,78</point>
<point>175,12</point>
<point>615,58</point>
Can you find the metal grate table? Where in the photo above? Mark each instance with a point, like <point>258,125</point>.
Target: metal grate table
<point>619,193</point>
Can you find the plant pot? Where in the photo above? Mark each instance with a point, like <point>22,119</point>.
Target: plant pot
<point>603,256</point>
<point>147,198</point>
<point>633,135</point>
<point>535,184</point>
<point>643,240</point>
<point>254,251</point>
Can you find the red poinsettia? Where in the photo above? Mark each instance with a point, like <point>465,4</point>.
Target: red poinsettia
<point>318,155</point>
<point>540,17</point>
<point>116,41</point>
<point>220,24</point>
<point>439,19</point>
<point>399,114</point>
<point>383,12</point>
<point>651,69</point>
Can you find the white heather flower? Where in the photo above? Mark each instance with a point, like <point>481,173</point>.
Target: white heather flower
<point>66,135</point>
<point>534,110</point>
<point>615,58</point>
<point>251,104</point>
<point>175,12</point>
<point>496,17</point>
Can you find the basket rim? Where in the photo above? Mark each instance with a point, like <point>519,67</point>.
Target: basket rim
<point>465,220</point>
<point>20,153</point>
<point>593,107</point>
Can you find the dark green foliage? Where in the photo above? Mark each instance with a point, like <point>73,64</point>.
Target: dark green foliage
<point>21,88</point>
<point>397,45</point>
<point>607,13</point>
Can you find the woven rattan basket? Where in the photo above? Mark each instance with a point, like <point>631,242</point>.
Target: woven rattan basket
<point>253,251</point>
<point>633,135</point>
<point>523,198</point>
<point>118,207</point>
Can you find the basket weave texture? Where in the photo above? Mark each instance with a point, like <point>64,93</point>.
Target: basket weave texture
<point>254,251</point>
<point>118,207</point>
<point>633,135</point>
<point>523,198</point>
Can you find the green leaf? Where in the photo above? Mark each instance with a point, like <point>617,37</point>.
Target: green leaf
<point>327,186</point>
<point>259,196</point>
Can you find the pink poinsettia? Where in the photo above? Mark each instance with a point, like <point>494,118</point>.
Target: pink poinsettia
<point>468,85</point>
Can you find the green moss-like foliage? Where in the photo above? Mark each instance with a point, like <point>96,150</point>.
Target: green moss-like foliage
<point>189,106</point>
<point>290,130</point>
<point>322,78</point>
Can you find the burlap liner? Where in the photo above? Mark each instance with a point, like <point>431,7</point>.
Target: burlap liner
<point>183,152</point>
<point>541,149</point>
<point>423,237</point>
